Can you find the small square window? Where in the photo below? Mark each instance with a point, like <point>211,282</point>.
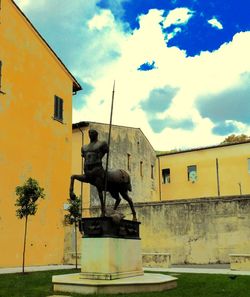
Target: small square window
<point>166,176</point>
<point>58,108</point>
<point>192,173</point>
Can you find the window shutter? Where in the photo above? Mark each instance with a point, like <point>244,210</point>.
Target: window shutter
<point>56,107</point>
<point>60,109</point>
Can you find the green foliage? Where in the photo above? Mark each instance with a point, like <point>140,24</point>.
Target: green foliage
<point>28,194</point>
<point>74,211</point>
<point>235,138</point>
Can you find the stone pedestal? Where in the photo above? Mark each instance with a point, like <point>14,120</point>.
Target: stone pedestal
<point>110,258</point>
<point>111,261</point>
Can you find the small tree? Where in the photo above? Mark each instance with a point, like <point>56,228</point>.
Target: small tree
<point>73,217</point>
<point>235,138</point>
<point>27,194</point>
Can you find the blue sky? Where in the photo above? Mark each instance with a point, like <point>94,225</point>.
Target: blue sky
<point>182,68</point>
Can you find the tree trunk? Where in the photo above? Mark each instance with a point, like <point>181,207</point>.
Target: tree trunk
<point>24,241</point>
<point>76,242</point>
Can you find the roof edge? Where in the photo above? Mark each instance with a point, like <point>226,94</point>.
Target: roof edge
<point>87,123</point>
<point>202,148</point>
<point>80,125</point>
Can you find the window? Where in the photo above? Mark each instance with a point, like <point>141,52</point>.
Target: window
<point>141,168</point>
<point>165,176</point>
<point>58,109</point>
<point>152,171</point>
<point>192,173</point>
<point>128,162</point>
<point>248,163</point>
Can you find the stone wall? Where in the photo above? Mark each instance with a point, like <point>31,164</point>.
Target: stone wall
<point>197,231</point>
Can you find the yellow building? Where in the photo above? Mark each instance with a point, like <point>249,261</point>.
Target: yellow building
<point>35,140</point>
<point>205,172</point>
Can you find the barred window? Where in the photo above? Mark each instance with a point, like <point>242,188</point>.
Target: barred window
<point>165,176</point>
<point>192,173</point>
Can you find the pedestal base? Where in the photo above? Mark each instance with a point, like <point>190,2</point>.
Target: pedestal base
<point>110,258</point>
<point>149,282</point>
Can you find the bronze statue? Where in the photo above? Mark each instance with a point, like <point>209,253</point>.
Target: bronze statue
<point>118,181</point>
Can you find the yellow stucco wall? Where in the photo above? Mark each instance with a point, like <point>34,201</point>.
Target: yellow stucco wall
<point>32,144</point>
<point>79,139</point>
<point>232,168</point>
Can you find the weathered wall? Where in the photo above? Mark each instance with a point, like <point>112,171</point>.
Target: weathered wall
<point>233,172</point>
<point>70,244</point>
<point>32,144</point>
<point>197,231</point>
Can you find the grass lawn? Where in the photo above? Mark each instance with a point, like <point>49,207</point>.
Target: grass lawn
<point>38,284</point>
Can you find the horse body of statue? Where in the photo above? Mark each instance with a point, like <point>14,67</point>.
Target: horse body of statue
<point>117,183</point>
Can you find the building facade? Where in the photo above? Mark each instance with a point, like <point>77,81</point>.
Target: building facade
<point>214,171</point>
<point>35,140</point>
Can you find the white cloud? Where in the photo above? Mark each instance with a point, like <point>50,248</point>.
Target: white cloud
<point>215,23</point>
<point>194,76</point>
<point>102,20</point>
<point>173,33</point>
<point>178,16</point>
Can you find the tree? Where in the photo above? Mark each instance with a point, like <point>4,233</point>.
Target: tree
<point>73,217</point>
<point>235,138</point>
<point>27,194</point>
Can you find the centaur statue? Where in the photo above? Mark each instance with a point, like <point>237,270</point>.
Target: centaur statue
<point>118,181</point>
